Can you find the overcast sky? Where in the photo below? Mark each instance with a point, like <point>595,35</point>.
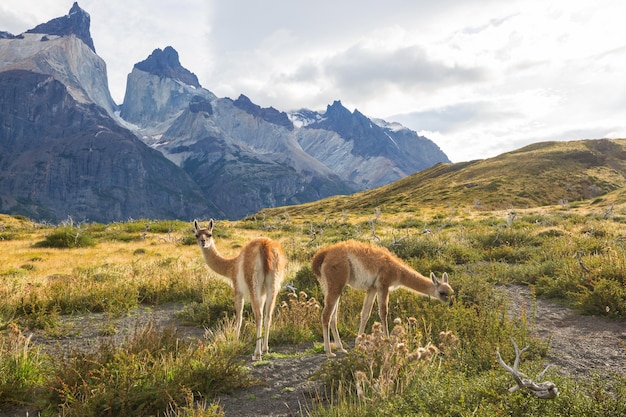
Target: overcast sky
<point>478,77</point>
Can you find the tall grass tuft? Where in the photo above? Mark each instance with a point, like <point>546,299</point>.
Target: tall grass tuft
<point>380,367</point>
<point>23,367</point>
<point>152,371</point>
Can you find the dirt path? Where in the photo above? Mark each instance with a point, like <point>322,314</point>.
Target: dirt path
<point>579,345</point>
<point>285,390</point>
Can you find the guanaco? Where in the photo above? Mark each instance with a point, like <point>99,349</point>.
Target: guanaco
<point>255,274</point>
<point>369,268</point>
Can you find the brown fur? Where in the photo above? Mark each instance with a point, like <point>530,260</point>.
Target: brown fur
<point>369,268</point>
<point>256,274</point>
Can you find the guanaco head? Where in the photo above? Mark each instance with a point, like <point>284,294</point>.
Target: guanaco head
<point>442,290</point>
<point>204,237</point>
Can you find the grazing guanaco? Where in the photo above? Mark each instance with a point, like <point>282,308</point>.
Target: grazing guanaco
<point>369,268</point>
<point>256,275</point>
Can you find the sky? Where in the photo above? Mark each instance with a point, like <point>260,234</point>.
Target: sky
<point>477,77</point>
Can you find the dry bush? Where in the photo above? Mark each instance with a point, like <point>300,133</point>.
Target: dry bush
<point>296,320</point>
<point>380,367</point>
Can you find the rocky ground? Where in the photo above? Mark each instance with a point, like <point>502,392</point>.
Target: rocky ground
<point>579,345</point>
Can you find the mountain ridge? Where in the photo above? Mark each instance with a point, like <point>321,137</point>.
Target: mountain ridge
<point>166,63</point>
<point>232,156</point>
<point>199,129</point>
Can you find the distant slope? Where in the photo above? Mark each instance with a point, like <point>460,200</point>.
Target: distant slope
<point>541,174</point>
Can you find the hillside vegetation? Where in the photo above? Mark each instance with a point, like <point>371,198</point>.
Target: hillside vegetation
<point>541,174</point>
<point>567,247</point>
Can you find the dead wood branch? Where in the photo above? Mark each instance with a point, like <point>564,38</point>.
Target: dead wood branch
<point>397,240</point>
<point>544,390</point>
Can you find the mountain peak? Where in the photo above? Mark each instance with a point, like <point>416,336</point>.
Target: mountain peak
<point>336,110</point>
<point>339,119</point>
<point>76,22</point>
<point>165,63</point>
<point>269,114</point>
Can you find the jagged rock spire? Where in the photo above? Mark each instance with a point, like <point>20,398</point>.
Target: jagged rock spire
<point>76,22</point>
<point>165,63</point>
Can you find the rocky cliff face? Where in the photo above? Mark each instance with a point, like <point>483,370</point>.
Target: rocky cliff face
<point>159,89</point>
<point>244,162</point>
<point>62,158</point>
<point>65,58</point>
<point>62,152</point>
<point>76,22</point>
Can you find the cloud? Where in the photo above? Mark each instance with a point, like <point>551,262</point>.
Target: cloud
<point>456,117</point>
<point>360,69</point>
<point>495,22</point>
<point>361,73</point>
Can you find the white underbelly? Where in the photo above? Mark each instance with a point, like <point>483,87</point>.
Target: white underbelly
<point>360,277</point>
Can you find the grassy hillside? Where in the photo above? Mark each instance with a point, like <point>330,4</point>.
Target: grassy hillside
<point>551,173</point>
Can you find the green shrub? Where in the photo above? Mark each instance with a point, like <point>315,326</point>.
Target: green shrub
<point>509,254</point>
<point>67,237</point>
<point>508,237</point>
<point>461,254</point>
<point>417,248</point>
<point>14,272</point>
<point>216,305</point>
<point>305,280</point>
<point>6,235</point>
<point>607,298</point>
<point>189,240</point>
<point>136,226</point>
<point>559,287</point>
<point>296,320</point>
<point>168,226</point>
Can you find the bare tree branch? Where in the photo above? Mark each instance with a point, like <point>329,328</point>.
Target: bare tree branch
<point>544,390</point>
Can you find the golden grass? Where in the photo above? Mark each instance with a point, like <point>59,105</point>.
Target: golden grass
<point>48,262</point>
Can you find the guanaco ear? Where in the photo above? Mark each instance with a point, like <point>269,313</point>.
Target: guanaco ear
<point>433,277</point>
<point>444,278</point>
<point>196,227</point>
<point>211,225</point>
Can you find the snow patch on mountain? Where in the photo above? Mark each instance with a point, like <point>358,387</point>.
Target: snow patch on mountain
<point>304,117</point>
<point>392,126</point>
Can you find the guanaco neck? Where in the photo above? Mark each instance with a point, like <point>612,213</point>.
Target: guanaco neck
<point>415,281</point>
<point>218,263</point>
